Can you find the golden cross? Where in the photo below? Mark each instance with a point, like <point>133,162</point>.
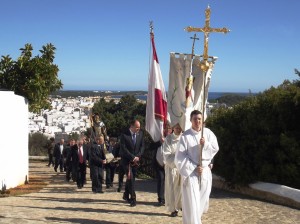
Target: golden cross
<point>206,30</point>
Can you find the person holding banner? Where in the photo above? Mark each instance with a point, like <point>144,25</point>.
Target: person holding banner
<point>196,175</point>
<point>172,176</point>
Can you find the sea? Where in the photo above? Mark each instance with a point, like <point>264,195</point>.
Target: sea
<point>211,95</point>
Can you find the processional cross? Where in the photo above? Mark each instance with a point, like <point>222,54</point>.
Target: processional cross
<point>206,30</point>
<point>205,65</point>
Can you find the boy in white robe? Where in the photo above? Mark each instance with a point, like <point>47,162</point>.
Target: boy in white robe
<point>187,159</point>
<point>172,177</point>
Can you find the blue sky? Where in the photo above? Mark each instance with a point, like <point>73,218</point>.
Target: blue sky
<point>104,45</point>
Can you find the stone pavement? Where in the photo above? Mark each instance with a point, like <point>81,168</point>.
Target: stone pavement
<point>62,202</point>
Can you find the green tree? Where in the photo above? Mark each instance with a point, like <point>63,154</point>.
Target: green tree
<point>259,138</point>
<point>37,144</point>
<point>118,116</point>
<point>31,77</point>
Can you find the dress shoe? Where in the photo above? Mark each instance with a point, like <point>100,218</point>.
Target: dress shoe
<point>55,169</point>
<point>119,189</point>
<point>126,198</point>
<point>174,214</point>
<point>133,203</point>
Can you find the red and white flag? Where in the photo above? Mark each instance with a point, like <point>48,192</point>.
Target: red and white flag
<point>156,108</point>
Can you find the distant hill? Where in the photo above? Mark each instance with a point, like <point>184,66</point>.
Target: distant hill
<point>89,93</point>
<point>231,99</point>
<point>221,97</point>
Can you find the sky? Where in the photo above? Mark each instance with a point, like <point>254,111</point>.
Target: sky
<point>105,45</point>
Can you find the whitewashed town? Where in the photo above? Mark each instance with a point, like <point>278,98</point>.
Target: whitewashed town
<point>71,115</point>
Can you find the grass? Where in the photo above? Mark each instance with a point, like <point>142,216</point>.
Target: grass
<point>35,184</point>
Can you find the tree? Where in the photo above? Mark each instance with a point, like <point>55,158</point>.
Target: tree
<point>31,77</point>
<point>117,117</point>
<point>37,144</point>
<point>259,138</point>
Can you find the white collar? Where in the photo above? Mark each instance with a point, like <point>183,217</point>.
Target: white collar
<point>195,132</point>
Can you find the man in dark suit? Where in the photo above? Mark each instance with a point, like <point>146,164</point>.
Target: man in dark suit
<point>131,149</point>
<point>78,157</point>
<point>68,164</point>
<point>50,147</point>
<point>58,154</point>
<point>97,161</point>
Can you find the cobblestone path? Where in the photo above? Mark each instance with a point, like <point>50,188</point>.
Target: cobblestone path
<point>62,202</point>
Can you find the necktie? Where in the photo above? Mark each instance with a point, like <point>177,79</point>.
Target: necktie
<point>80,156</point>
<point>134,138</point>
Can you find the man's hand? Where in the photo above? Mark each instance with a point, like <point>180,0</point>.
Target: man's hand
<point>104,161</point>
<point>202,141</point>
<point>199,170</point>
<point>136,159</point>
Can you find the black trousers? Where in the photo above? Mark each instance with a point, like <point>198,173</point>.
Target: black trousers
<point>160,175</point>
<point>110,173</point>
<point>68,171</point>
<point>130,182</point>
<point>121,175</point>
<point>50,159</point>
<point>80,175</point>
<point>60,162</point>
<point>97,177</point>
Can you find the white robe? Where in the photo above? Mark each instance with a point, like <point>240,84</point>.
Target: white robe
<point>195,199</point>
<point>172,177</point>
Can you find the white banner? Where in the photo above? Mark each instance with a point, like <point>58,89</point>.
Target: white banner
<point>185,92</point>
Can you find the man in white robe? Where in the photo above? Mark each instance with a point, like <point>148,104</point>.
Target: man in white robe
<point>195,198</point>
<point>172,177</point>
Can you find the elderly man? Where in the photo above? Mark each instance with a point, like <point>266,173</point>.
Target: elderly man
<point>78,157</point>
<point>97,162</point>
<point>196,175</point>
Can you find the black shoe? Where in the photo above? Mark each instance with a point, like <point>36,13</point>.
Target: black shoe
<point>107,187</point>
<point>79,187</point>
<point>61,171</point>
<point>55,169</point>
<point>174,214</point>
<point>126,198</point>
<point>119,189</point>
<point>132,203</point>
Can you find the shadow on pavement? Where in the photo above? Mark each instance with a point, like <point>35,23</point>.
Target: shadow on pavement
<point>85,221</point>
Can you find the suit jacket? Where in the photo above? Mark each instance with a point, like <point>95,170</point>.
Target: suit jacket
<point>154,147</point>
<point>73,156</point>
<point>57,153</point>
<point>128,150</point>
<point>96,155</point>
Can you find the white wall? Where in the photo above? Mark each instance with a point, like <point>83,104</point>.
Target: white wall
<point>14,160</point>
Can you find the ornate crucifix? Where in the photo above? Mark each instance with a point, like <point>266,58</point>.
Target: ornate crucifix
<point>206,30</point>
<point>204,65</point>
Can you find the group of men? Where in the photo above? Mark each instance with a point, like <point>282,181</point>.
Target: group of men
<point>185,178</point>
<point>76,156</point>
